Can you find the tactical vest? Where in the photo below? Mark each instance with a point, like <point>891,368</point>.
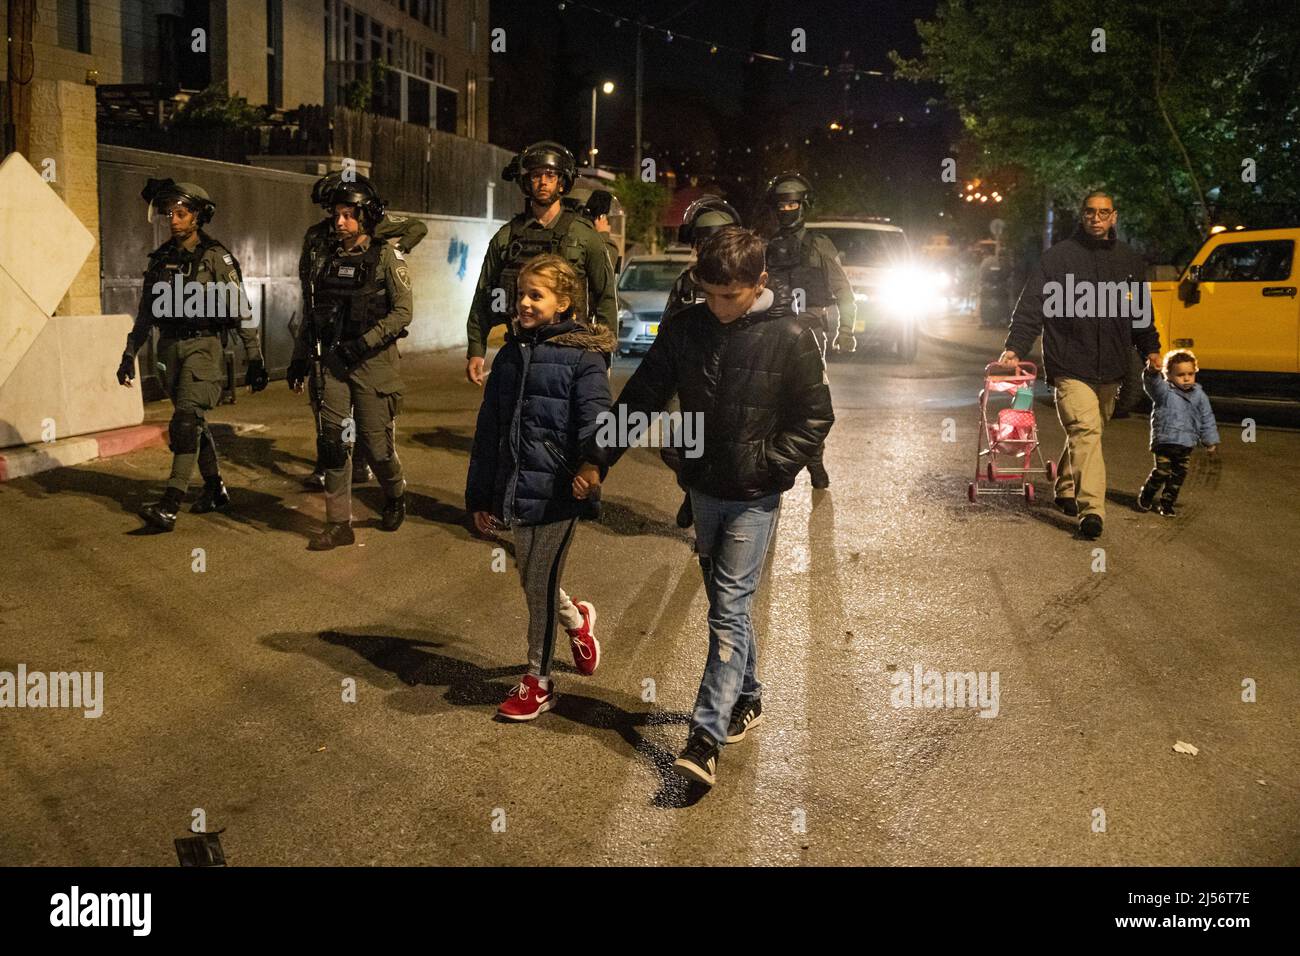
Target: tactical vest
<point>792,259</point>
<point>527,243</point>
<point>166,263</point>
<point>349,296</point>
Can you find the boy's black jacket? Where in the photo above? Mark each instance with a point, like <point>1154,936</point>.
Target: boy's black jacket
<point>541,401</point>
<point>759,385</point>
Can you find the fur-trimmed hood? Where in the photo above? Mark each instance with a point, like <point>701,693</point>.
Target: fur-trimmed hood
<point>570,333</point>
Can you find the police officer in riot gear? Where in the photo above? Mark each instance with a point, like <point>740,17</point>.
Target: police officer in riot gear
<point>402,231</point>
<point>347,347</point>
<point>702,218</point>
<point>545,171</point>
<point>809,263</point>
<point>193,293</point>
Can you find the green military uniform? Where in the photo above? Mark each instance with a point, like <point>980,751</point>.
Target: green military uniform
<point>809,261</point>
<point>190,353</point>
<point>359,295</point>
<point>522,238</point>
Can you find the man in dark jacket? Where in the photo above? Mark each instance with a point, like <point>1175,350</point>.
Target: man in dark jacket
<point>755,384</point>
<point>1087,298</point>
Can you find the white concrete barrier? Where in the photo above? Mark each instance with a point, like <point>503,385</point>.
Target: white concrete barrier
<point>66,383</point>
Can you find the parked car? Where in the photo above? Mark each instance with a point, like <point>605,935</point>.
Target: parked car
<point>643,291</point>
<point>892,290</point>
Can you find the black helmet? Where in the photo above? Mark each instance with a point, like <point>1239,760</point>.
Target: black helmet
<point>790,187</point>
<point>704,217</point>
<point>545,154</point>
<point>320,193</point>
<point>160,193</point>
<point>360,193</point>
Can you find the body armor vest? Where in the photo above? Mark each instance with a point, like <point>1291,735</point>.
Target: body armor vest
<point>169,262</point>
<point>527,243</point>
<point>791,259</point>
<point>348,295</point>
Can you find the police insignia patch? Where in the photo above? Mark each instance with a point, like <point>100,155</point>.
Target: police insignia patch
<point>397,252</point>
<point>229,260</point>
<point>403,277</point>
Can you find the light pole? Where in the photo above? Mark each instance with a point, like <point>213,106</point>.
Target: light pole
<point>607,87</point>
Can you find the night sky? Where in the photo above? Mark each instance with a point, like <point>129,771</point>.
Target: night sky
<point>702,110</point>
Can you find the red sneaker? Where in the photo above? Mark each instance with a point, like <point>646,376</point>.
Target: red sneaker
<point>527,700</point>
<point>586,649</point>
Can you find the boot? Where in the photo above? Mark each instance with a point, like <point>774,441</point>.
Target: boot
<point>685,514</point>
<point>334,534</point>
<point>315,481</point>
<point>394,513</point>
<point>819,477</point>
<point>161,514</point>
<point>213,496</point>
<point>361,472</point>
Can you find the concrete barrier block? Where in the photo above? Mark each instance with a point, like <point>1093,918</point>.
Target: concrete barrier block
<point>21,321</point>
<point>66,384</point>
<point>42,243</point>
<point>33,459</point>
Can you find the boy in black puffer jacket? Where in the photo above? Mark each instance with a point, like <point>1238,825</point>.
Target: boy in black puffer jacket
<point>751,375</point>
<point>547,388</point>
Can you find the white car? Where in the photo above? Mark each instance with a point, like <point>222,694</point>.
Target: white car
<point>643,289</point>
<point>892,292</point>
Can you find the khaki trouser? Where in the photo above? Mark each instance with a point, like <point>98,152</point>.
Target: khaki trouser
<point>373,420</point>
<point>1083,410</point>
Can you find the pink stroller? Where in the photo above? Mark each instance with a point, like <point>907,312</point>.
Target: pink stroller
<point>1008,443</point>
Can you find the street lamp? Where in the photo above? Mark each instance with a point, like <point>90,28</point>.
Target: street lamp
<point>607,87</point>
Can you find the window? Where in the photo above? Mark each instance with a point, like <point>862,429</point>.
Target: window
<point>74,25</point>
<point>1250,262</point>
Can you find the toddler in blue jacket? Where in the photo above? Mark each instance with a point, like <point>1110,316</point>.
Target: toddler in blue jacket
<point>547,390</point>
<point>1180,417</point>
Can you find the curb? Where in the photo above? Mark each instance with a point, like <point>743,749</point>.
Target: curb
<point>24,460</point>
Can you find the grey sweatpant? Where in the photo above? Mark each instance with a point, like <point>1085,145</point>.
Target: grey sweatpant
<point>540,550</point>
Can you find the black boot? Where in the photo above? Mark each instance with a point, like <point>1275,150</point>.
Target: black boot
<point>394,513</point>
<point>361,472</point>
<point>213,496</point>
<point>685,514</point>
<point>315,481</point>
<point>820,479</point>
<point>1166,508</point>
<point>1146,497</point>
<point>332,536</point>
<point>161,514</point>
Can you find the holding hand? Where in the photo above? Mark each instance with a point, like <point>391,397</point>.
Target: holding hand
<point>297,374</point>
<point>1212,449</point>
<point>474,370</point>
<point>1009,358</point>
<point>255,376</point>
<point>1153,361</point>
<point>586,481</point>
<point>485,524</point>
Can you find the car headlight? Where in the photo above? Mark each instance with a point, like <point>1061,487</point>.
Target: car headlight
<point>908,290</point>
<point>626,320</point>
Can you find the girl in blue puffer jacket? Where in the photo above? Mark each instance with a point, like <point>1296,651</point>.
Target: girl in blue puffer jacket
<point>547,389</point>
<point>1180,417</point>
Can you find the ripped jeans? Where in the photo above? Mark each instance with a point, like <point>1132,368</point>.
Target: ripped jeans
<point>731,538</point>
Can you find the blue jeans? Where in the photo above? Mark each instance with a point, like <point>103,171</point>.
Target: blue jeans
<point>731,538</point>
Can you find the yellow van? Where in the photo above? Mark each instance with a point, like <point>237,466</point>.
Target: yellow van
<point>1236,307</point>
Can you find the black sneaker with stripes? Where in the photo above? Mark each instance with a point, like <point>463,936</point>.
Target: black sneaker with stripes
<point>747,713</point>
<point>699,761</point>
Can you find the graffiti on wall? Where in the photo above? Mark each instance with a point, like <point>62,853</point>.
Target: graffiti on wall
<point>458,250</point>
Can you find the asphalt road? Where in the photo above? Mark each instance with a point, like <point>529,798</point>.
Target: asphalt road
<point>223,688</point>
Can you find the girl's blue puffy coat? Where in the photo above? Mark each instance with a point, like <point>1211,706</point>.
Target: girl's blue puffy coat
<point>547,387</point>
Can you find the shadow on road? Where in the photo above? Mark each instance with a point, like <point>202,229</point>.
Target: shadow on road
<point>414,662</point>
<point>448,439</point>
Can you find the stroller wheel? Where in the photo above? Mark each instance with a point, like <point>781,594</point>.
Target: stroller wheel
<point>971,493</point>
<point>1051,471</point>
<point>1029,493</point>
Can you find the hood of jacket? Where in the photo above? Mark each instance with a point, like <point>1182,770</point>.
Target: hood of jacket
<point>570,333</point>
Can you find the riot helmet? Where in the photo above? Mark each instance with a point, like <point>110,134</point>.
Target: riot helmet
<point>160,194</point>
<point>360,193</point>
<point>790,187</point>
<point>324,187</point>
<point>546,154</point>
<point>704,217</point>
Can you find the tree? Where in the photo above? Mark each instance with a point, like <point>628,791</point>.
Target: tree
<point>213,107</point>
<point>1163,108</point>
<point>643,205</point>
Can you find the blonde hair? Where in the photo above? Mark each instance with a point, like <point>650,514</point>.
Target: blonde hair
<point>556,274</point>
<point>1178,357</point>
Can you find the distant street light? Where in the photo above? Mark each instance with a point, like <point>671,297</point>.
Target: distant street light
<point>607,87</point>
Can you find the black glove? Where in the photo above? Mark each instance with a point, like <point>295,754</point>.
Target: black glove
<point>299,369</point>
<point>126,370</point>
<point>255,376</point>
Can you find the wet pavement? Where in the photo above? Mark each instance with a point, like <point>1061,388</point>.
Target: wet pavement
<point>224,687</point>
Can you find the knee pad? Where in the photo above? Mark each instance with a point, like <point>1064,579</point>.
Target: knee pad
<point>183,432</point>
